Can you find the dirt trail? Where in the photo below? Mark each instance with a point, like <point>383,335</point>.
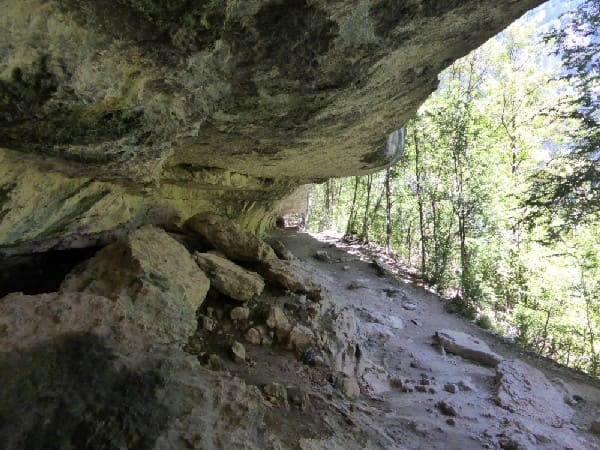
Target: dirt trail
<point>406,382</point>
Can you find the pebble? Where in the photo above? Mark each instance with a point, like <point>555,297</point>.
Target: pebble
<point>239,352</point>
<point>239,313</point>
<point>451,387</point>
<point>350,388</point>
<point>357,284</point>
<point>253,336</point>
<point>322,255</point>
<point>446,408</point>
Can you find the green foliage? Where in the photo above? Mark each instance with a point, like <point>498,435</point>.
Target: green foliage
<point>453,207</point>
<point>566,191</point>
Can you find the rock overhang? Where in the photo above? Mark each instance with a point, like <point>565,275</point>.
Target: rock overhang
<point>253,97</point>
<point>263,88</point>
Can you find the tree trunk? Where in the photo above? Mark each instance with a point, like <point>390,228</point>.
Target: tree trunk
<point>364,235</point>
<point>388,211</point>
<point>420,201</point>
<point>352,216</point>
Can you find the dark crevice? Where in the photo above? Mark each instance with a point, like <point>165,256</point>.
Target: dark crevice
<point>41,272</point>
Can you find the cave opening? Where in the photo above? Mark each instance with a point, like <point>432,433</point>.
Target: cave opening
<point>40,273</point>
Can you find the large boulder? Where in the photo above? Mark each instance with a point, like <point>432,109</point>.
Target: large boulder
<point>153,276</point>
<point>77,371</point>
<point>294,277</point>
<point>229,278</point>
<point>230,239</point>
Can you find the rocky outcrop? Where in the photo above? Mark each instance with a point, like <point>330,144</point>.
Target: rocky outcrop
<point>139,110</point>
<point>229,278</point>
<point>153,276</point>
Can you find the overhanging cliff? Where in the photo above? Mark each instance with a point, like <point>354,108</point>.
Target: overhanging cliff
<point>126,111</point>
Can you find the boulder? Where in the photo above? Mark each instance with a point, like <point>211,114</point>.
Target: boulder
<point>278,321</point>
<point>282,251</point>
<point>75,361</point>
<point>229,278</point>
<point>293,277</point>
<point>153,276</point>
<point>229,238</point>
<point>467,346</point>
<point>300,338</point>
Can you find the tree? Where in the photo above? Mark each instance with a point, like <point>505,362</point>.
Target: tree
<point>567,192</point>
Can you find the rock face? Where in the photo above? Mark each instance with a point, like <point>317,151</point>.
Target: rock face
<point>152,108</point>
<point>229,278</point>
<point>153,276</point>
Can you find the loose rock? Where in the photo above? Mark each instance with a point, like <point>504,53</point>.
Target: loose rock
<point>447,408</point>
<point>293,277</point>
<point>253,336</point>
<point>467,346</point>
<point>239,352</point>
<point>229,278</point>
<point>208,323</point>
<point>451,387</point>
<point>382,268</point>
<point>282,251</point>
<point>300,337</point>
<point>229,238</point>
<point>349,387</point>
<point>239,313</point>
<point>278,321</point>
<point>357,284</point>
<point>276,393</point>
<point>323,255</point>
